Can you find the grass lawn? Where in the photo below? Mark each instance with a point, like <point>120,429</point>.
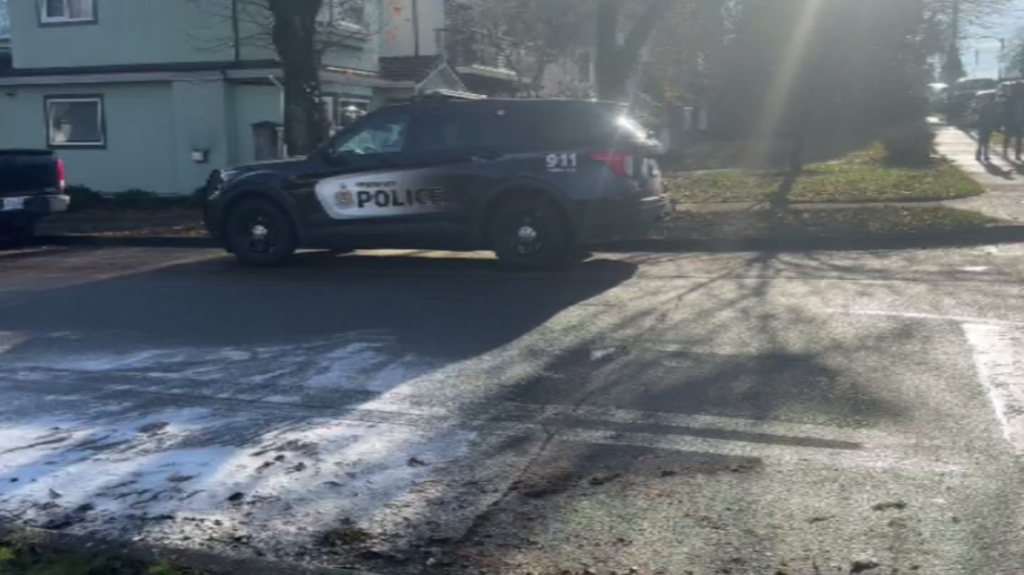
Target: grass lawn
<point>31,560</point>
<point>811,223</point>
<point>859,177</point>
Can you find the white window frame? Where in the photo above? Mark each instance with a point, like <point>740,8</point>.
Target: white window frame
<point>45,18</point>
<point>100,119</point>
<point>328,17</point>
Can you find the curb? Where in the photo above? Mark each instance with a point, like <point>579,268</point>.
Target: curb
<point>203,561</point>
<point>127,241</point>
<point>964,238</point>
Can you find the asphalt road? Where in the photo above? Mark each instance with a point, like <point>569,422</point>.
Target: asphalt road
<point>708,413</point>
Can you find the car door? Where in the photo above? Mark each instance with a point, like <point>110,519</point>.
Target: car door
<point>447,152</point>
<point>357,177</point>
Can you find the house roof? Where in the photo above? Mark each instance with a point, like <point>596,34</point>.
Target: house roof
<point>409,68</point>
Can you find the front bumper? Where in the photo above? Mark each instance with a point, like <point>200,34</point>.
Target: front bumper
<point>625,219</point>
<point>32,207</point>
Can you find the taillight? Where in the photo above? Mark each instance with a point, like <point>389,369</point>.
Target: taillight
<point>60,174</point>
<point>620,163</point>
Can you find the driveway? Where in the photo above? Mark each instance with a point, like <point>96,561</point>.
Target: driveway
<point>729,413</point>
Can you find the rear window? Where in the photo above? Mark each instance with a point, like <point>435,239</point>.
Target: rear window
<point>26,172</point>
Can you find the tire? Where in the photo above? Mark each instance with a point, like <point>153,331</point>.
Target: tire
<point>259,233</point>
<point>530,234</point>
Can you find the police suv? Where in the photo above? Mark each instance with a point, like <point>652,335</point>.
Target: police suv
<point>532,180</point>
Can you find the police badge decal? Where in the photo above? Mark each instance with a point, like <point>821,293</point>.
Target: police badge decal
<point>344,197</point>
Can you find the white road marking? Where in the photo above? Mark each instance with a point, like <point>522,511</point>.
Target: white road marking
<point>997,347</point>
<point>999,358</point>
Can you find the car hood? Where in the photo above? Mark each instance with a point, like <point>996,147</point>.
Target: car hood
<point>276,165</point>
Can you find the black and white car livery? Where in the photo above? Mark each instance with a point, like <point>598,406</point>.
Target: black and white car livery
<point>532,180</point>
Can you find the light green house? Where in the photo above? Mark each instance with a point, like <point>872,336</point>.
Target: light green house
<point>154,94</point>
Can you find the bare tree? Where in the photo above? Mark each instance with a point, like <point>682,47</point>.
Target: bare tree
<point>529,36</point>
<point>294,33</point>
<point>616,61</point>
<point>300,32</point>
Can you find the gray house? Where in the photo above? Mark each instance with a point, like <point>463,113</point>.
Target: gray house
<point>154,94</point>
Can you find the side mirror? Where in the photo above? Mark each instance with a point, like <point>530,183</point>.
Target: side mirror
<point>327,157</point>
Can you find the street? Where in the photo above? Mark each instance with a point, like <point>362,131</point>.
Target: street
<point>817,412</point>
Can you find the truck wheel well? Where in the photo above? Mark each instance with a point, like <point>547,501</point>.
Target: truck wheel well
<point>518,193</point>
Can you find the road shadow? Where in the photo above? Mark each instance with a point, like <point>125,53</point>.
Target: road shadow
<point>218,302</point>
<point>794,243</point>
<point>613,480</point>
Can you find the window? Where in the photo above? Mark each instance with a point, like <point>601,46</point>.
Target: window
<point>343,13</point>
<point>75,121</point>
<point>381,134</point>
<point>440,132</point>
<point>67,11</point>
<point>268,140</point>
<point>560,125</point>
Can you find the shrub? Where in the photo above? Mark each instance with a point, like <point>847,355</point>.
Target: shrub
<point>909,144</point>
<point>135,199</point>
<point>198,197</point>
<point>84,198</point>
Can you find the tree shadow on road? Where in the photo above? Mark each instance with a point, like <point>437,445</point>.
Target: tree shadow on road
<point>633,471</point>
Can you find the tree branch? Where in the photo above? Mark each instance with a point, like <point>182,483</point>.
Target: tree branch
<point>643,28</point>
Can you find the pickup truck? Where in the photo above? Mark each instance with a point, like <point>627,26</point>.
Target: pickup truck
<point>31,187</point>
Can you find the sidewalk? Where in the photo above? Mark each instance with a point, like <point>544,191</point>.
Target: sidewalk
<point>1003,180</point>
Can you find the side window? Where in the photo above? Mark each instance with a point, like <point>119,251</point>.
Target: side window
<point>445,132</point>
<point>560,128</point>
<point>379,134</point>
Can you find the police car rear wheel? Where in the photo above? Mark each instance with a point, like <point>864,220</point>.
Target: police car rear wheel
<point>530,234</point>
<point>260,233</point>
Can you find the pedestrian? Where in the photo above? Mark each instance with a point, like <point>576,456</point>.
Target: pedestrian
<point>1013,120</point>
<point>988,123</point>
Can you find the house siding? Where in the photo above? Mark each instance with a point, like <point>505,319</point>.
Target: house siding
<point>139,128</point>
<point>126,32</point>
<point>399,38</point>
<point>201,123</point>
<point>250,105</point>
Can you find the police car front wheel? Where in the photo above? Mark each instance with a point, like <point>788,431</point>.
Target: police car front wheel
<point>260,233</point>
<point>530,233</point>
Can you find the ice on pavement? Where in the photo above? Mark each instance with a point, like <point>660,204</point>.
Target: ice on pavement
<point>164,472</point>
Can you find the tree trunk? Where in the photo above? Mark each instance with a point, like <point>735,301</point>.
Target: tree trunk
<point>616,63</point>
<point>294,34</point>
<point>607,51</point>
